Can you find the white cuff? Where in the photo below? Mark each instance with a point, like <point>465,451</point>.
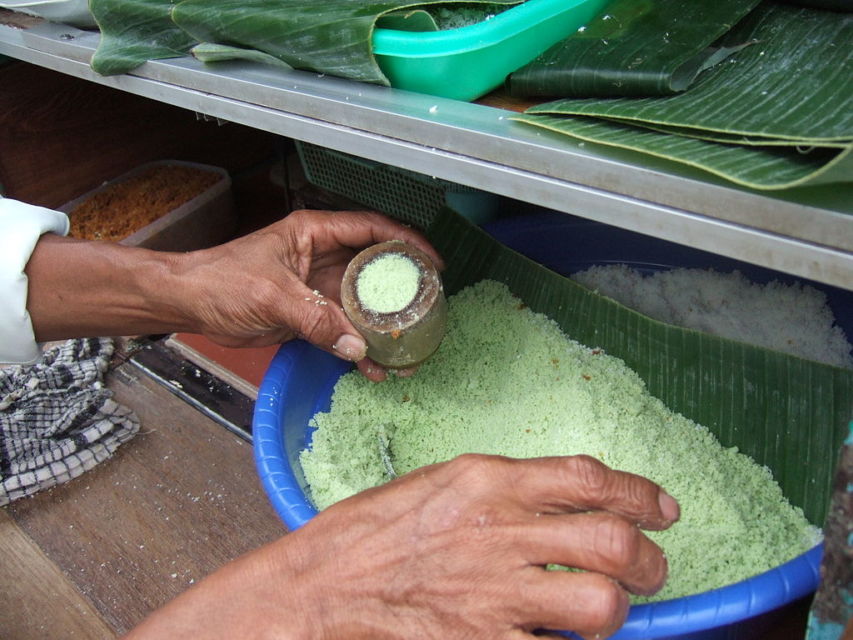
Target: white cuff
<point>21,226</point>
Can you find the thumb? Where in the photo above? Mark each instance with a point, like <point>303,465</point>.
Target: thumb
<point>323,323</point>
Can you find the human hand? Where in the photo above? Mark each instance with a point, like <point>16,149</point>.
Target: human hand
<point>283,281</point>
<point>265,288</point>
<point>454,550</point>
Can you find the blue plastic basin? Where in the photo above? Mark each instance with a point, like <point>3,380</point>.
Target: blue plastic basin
<point>300,379</point>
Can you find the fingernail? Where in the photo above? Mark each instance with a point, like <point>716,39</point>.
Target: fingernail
<point>351,347</point>
<point>668,506</point>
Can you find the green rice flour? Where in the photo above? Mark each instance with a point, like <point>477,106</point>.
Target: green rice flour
<point>507,381</point>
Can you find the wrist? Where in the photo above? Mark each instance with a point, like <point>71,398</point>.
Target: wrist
<point>333,600</point>
<point>160,299</point>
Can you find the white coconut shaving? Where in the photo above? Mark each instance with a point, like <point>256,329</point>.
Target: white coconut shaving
<point>792,318</point>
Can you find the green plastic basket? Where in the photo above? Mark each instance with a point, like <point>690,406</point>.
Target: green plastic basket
<point>412,198</point>
<point>468,62</point>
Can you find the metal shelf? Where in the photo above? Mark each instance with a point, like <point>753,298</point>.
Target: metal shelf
<point>805,232</point>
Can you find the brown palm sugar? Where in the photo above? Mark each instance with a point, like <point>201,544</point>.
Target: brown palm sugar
<point>122,208</point>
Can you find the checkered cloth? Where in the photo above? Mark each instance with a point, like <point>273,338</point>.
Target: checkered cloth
<point>56,418</point>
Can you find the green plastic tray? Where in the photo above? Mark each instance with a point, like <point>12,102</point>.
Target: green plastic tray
<point>412,198</point>
<point>467,62</point>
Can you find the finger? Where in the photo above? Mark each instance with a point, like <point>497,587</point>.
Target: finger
<point>599,542</point>
<point>589,604</point>
<point>321,322</point>
<point>371,370</point>
<point>325,325</point>
<point>358,229</point>
<point>582,483</point>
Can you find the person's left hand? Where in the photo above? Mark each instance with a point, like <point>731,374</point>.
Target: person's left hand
<point>453,551</point>
<point>283,281</point>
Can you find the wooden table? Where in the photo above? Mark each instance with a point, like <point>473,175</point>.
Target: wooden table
<point>91,558</point>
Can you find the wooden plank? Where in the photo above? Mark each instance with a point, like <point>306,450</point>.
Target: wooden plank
<point>173,504</point>
<point>18,20</point>
<point>243,369</point>
<point>499,99</point>
<point>36,599</point>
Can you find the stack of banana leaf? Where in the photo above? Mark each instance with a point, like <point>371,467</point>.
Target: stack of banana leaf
<point>333,36</point>
<point>758,93</point>
<point>766,103</point>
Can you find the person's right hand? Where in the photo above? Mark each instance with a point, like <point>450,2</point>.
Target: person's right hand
<point>284,281</point>
<point>454,550</point>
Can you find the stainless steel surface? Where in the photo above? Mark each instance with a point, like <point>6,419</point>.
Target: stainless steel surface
<point>806,232</point>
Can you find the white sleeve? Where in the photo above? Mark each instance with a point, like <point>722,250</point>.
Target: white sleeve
<point>21,226</point>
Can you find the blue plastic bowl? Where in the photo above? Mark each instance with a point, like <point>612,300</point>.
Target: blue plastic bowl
<point>300,379</point>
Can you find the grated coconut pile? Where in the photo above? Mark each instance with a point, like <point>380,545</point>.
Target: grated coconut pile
<point>508,381</point>
<point>791,318</point>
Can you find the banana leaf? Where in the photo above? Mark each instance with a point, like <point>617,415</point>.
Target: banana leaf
<point>636,48</point>
<point>756,167</point>
<point>209,52</point>
<point>775,117</point>
<point>334,36</point>
<point>406,20</point>
<point>788,413</point>
<point>803,146</point>
<point>794,84</point>
<point>134,31</point>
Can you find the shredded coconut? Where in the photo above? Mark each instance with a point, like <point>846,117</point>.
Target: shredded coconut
<point>507,381</point>
<point>792,318</point>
